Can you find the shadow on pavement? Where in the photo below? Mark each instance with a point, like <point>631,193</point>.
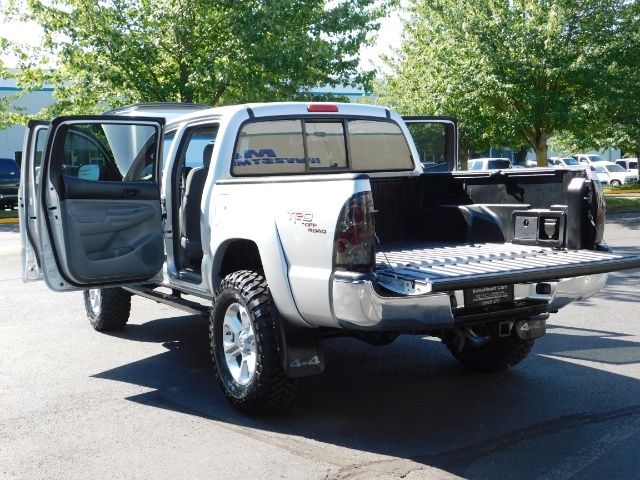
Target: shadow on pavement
<point>412,401</point>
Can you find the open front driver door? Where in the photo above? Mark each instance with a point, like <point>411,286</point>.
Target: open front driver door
<point>27,198</point>
<point>99,217</point>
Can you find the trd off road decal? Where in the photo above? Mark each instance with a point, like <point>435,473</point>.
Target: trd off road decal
<point>305,218</point>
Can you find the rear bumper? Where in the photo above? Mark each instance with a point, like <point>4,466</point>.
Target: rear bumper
<point>358,305</point>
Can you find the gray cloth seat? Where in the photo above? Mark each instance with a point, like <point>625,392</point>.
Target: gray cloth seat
<point>190,239</point>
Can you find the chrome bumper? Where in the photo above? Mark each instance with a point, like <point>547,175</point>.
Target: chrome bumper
<point>357,305</point>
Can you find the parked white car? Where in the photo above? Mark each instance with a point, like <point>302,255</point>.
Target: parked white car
<point>629,164</point>
<point>610,173</point>
<point>564,162</point>
<point>589,159</point>
<point>489,164</point>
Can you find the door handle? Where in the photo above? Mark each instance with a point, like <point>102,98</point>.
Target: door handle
<point>130,193</point>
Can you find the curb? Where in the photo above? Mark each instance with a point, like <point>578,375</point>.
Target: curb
<point>8,220</point>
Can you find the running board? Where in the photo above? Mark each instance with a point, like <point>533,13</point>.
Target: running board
<point>171,300</point>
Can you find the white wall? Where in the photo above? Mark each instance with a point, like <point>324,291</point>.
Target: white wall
<point>11,138</point>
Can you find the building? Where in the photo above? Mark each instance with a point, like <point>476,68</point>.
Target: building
<point>11,138</point>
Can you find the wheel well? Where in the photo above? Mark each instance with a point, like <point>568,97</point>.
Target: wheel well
<point>240,255</point>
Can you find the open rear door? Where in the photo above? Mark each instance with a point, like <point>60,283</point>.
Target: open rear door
<point>436,139</point>
<point>98,211</point>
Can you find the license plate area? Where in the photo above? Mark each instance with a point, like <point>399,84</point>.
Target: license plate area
<point>487,296</point>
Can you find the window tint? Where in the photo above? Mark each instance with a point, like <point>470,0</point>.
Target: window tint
<point>325,145</point>
<point>265,148</point>
<point>278,147</point>
<point>378,146</point>
<point>110,152</point>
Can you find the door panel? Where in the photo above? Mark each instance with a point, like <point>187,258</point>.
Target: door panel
<point>102,200</point>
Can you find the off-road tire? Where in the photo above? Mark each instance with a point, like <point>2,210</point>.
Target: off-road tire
<point>242,303</point>
<point>497,354</point>
<point>108,308</point>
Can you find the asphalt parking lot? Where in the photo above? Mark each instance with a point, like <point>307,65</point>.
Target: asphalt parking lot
<point>143,403</point>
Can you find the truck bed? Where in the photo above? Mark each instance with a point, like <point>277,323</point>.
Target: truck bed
<point>413,269</point>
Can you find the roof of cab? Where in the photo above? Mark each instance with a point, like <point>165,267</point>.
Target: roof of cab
<point>276,109</point>
<point>167,110</point>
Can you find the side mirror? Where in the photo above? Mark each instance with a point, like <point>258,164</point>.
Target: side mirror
<point>89,172</point>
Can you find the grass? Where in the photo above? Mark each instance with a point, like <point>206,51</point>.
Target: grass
<point>622,202</point>
<point>627,188</point>
<point>8,213</point>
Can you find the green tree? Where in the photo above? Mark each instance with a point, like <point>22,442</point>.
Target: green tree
<point>513,71</point>
<point>112,52</point>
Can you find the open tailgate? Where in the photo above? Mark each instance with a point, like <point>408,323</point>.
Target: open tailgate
<point>437,267</point>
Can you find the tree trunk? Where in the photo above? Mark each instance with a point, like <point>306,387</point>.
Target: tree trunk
<point>538,142</point>
<point>186,91</point>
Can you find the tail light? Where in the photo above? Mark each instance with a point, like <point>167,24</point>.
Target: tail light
<point>354,242</point>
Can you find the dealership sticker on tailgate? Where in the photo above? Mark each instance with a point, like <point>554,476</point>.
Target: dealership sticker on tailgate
<point>483,296</point>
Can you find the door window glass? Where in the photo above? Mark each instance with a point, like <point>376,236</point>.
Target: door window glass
<point>430,140</point>
<point>110,152</point>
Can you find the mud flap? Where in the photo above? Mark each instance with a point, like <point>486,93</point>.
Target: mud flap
<point>530,328</point>
<point>300,349</point>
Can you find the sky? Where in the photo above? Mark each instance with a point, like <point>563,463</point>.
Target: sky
<point>389,37</point>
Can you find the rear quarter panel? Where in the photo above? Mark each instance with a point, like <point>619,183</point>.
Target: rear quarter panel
<point>293,222</point>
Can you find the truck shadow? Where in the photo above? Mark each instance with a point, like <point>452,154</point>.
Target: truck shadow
<point>620,287</point>
<point>413,402</point>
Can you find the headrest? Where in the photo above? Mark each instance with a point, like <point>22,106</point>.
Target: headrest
<point>206,154</point>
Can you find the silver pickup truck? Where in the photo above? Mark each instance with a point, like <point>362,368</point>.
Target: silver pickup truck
<point>290,223</point>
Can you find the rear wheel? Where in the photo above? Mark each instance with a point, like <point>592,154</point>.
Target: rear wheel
<point>108,308</point>
<point>491,353</point>
<point>244,346</point>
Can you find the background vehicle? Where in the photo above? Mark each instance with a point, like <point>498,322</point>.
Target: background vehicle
<point>588,158</point>
<point>564,162</point>
<point>9,180</point>
<point>289,224</point>
<point>610,173</point>
<point>488,164</point>
<point>629,164</point>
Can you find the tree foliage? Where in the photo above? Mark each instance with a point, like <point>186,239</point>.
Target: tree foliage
<point>105,53</point>
<point>515,71</point>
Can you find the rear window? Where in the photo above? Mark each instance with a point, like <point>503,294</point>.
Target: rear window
<point>498,164</point>
<point>297,146</point>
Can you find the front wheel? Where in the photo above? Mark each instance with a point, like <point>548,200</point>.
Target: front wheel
<point>244,346</point>
<point>492,353</point>
<point>107,308</point>
<point>615,183</point>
